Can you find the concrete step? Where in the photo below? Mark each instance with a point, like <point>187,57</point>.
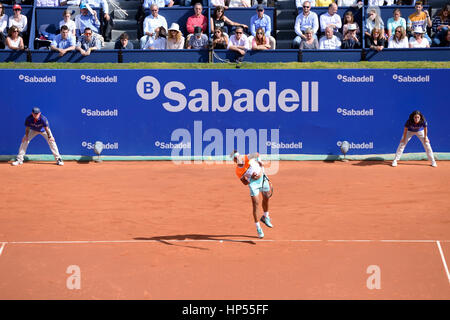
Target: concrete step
<point>286,35</point>
<point>131,4</point>
<point>285,24</point>
<point>120,24</point>
<point>287,14</point>
<point>286,4</point>
<point>284,44</point>
<point>131,14</point>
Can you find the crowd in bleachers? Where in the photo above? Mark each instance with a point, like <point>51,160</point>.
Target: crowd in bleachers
<point>417,30</point>
<point>89,29</point>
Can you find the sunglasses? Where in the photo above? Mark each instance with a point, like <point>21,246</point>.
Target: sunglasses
<point>17,10</point>
<point>259,33</point>
<point>306,7</point>
<point>238,32</point>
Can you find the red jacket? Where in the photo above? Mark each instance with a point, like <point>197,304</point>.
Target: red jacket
<point>200,21</point>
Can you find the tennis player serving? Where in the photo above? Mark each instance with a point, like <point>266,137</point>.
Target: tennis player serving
<point>250,170</point>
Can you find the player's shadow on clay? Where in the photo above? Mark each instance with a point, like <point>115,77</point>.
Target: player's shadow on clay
<point>372,162</point>
<point>173,240</point>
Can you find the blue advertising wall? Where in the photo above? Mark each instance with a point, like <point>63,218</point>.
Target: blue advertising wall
<point>210,112</point>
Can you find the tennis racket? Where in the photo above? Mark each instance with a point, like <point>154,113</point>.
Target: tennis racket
<point>269,193</point>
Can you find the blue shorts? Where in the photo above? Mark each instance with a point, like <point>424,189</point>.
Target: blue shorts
<point>257,185</point>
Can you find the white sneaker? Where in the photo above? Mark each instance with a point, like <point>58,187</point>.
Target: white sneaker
<point>17,163</point>
<point>434,164</point>
<point>394,163</point>
<point>59,162</point>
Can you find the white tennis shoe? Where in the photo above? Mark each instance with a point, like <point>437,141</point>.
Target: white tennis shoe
<point>17,163</point>
<point>394,163</point>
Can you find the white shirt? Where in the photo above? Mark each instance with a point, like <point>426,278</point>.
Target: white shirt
<point>3,22</point>
<point>22,24</point>
<point>415,44</point>
<point>254,168</point>
<point>302,22</point>
<point>47,3</point>
<point>151,23</point>
<point>242,42</point>
<point>393,44</point>
<point>239,4</point>
<point>347,3</point>
<point>159,44</point>
<point>216,3</point>
<point>379,3</point>
<point>329,44</point>
<point>326,19</point>
<point>70,24</point>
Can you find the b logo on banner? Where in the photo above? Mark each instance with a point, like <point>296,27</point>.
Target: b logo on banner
<point>148,87</point>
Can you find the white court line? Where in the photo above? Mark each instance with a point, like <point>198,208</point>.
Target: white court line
<point>214,240</point>
<point>2,247</point>
<point>443,260</point>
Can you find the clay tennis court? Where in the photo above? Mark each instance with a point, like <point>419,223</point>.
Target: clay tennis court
<point>157,230</point>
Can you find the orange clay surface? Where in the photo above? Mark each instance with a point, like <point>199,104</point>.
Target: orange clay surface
<point>156,228</point>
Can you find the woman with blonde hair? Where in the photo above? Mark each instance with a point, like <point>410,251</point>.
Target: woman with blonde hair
<point>398,39</point>
<point>14,41</point>
<point>376,41</point>
<point>175,39</point>
<point>373,21</point>
<point>260,41</point>
<point>347,20</point>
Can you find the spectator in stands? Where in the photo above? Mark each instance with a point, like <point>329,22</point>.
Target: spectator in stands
<point>160,3</point>
<point>255,3</point>
<point>88,42</point>
<point>106,22</point>
<point>331,19</point>
<point>19,20</point>
<point>219,20</point>
<point>350,3</point>
<point>220,40</point>
<point>63,42</point>
<point>373,21</point>
<point>440,25</point>
<point>239,44</point>
<point>350,40</point>
<point>261,20</point>
<point>376,41</point>
<point>310,41</point>
<point>175,39</point>
<point>239,4</point>
<point>3,25</point>
<point>299,4</point>
<point>47,3</point>
<point>394,22</point>
<point>260,41</point>
<point>324,3</point>
<point>86,20</point>
<point>418,40</point>
<point>398,39</point>
<point>14,41</point>
<point>222,3</point>
<point>305,20</point>
<point>198,40</point>
<point>151,23</point>
<point>123,42</point>
<point>198,19</point>
<point>329,41</point>
<point>446,40</point>
<point>67,21</point>
<point>160,42</point>
<point>348,20</point>
<point>419,19</point>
